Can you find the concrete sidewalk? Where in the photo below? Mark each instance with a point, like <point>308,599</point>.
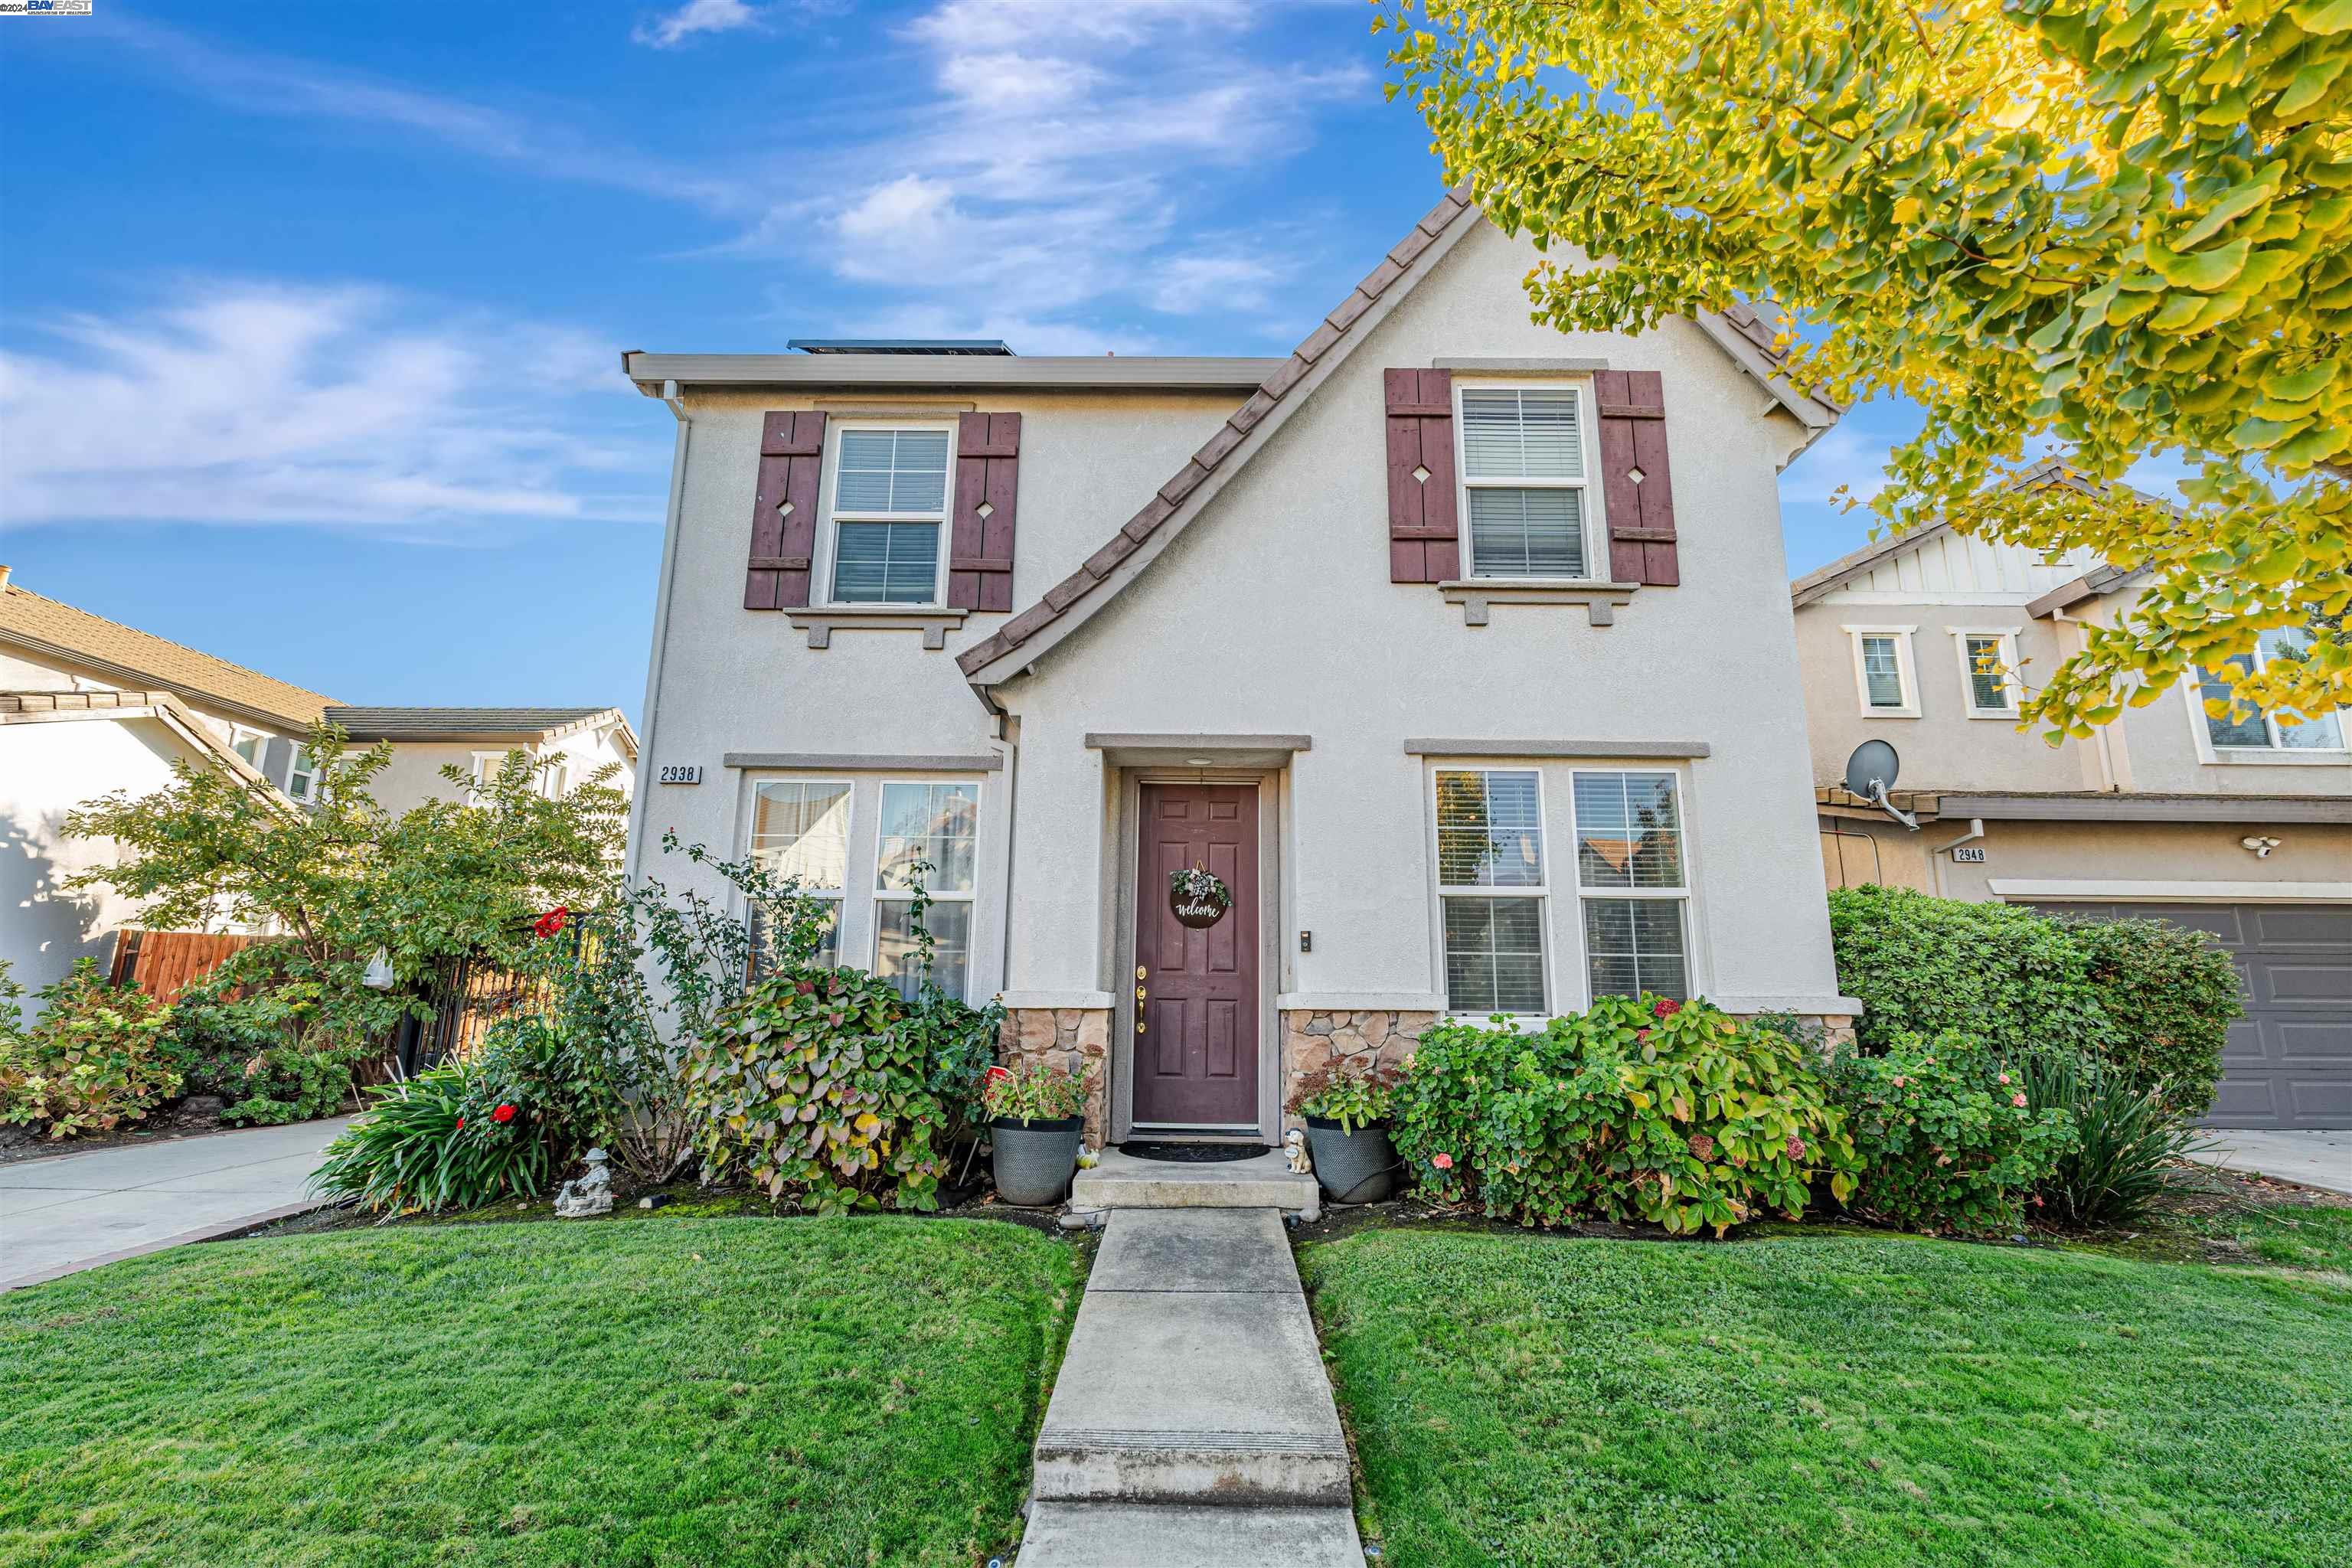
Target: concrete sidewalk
<point>72,1212</point>
<point>1192,1425</point>
<point>2322,1159</point>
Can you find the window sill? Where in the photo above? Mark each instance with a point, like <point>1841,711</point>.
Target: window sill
<point>1476,594</point>
<point>2279,757</point>
<point>1890,713</point>
<point>2008,717</point>
<point>821,621</point>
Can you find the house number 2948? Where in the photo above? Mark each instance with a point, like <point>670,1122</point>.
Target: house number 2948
<point>1969,855</point>
<point>682,773</point>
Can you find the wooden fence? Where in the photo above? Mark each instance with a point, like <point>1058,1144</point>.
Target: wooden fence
<point>164,963</point>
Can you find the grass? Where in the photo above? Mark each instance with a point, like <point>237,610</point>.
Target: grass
<point>807,1392</point>
<point>2289,1237</point>
<point>1841,1397</point>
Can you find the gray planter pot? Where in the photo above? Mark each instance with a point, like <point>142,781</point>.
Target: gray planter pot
<point>1034,1159</point>
<point>1356,1167</point>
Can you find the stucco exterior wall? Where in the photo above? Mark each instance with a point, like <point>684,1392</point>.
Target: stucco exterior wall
<point>2184,853</point>
<point>413,774</point>
<point>47,769</point>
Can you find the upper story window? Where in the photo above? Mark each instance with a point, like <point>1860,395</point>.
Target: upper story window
<point>301,774</point>
<point>799,828</point>
<point>1988,672</point>
<point>250,744</point>
<point>2238,730</point>
<point>888,521</point>
<point>1882,673</point>
<point>1491,890</point>
<point>1524,482</point>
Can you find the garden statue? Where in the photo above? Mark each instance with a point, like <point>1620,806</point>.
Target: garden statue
<point>590,1195</point>
<point>1293,1147</point>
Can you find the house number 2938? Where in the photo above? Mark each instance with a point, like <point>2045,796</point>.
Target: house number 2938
<point>682,773</point>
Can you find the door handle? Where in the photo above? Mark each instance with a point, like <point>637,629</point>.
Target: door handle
<point>1139,992</point>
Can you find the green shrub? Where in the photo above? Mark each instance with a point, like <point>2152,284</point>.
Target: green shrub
<point>2129,1138</point>
<point>444,1139</point>
<point>1924,966</point>
<point>1026,1093</point>
<point>1352,1097</point>
<point>811,1084</point>
<point>1677,1114</point>
<point>255,1048</point>
<point>2171,996</point>
<point>1948,1137</point>
<point>93,1060</point>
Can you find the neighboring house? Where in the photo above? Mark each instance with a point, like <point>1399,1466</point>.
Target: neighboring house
<point>1452,643</point>
<point>2240,827</point>
<point>571,745</point>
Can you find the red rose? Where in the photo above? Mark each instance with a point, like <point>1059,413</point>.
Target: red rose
<point>461,1124</point>
<point>1443,1162</point>
<point>503,1114</point>
<point>1666,1008</point>
<point>553,920</point>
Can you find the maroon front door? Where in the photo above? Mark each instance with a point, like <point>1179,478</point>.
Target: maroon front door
<point>1196,1012</point>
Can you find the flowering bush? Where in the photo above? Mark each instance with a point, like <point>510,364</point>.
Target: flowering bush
<point>1646,1107</point>
<point>1948,1135</point>
<point>1352,1097</point>
<point>441,1141</point>
<point>1027,1092</point>
<point>93,1060</point>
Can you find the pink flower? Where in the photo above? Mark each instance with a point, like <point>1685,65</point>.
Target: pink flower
<point>2017,1100</point>
<point>1664,1007</point>
<point>1443,1162</point>
<point>1898,1081</point>
<point>2004,1077</point>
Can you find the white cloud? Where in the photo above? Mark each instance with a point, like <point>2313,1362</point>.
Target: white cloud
<point>244,403</point>
<point>668,31</point>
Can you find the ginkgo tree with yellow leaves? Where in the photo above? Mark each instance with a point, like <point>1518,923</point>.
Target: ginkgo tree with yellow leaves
<point>2116,229</point>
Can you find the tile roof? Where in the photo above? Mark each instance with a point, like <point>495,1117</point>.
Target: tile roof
<point>458,723</point>
<point>1740,333</point>
<point>35,624</point>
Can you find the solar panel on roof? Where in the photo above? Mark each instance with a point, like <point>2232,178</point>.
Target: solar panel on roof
<point>900,346</point>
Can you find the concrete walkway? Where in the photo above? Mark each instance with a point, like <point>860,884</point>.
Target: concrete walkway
<point>1192,1423</point>
<point>72,1212</point>
<point>2322,1159</point>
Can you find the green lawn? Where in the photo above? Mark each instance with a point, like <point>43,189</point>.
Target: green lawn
<point>771,1391</point>
<point>1837,1398</point>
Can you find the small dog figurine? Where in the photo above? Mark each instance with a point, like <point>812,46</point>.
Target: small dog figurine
<point>1294,1148</point>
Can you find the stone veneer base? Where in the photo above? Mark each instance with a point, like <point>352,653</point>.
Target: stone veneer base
<point>1071,1038</point>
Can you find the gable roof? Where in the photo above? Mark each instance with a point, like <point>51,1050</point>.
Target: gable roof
<point>1108,571</point>
<point>51,628</point>
<point>166,707</point>
<point>2050,473</point>
<point>477,723</point>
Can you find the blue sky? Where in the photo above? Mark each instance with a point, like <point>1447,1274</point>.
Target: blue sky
<point>309,337</point>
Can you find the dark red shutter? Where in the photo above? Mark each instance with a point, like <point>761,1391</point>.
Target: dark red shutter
<point>784,514</point>
<point>1636,485</point>
<point>1424,540</point>
<point>987,486</point>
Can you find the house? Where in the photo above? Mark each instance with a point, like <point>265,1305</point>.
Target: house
<point>2241,826</point>
<point>89,705</point>
<point>1451,644</point>
<point>571,745</point>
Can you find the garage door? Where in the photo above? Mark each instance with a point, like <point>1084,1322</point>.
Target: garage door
<point>2288,1062</point>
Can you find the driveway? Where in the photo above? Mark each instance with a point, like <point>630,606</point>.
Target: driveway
<point>78,1211</point>
<point>2322,1159</point>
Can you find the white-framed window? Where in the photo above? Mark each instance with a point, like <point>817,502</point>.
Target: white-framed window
<point>886,521</point>
<point>799,828</point>
<point>1526,505</point>
<point>248,742</point>
<point>1633,880</point>
<point>1882,674</point>
<point>555,778</point>
<point>936,821</point>
<point>1988,670</point>
<point>301,774</point>
<point>1492,894</point>
<point>2238,734</point>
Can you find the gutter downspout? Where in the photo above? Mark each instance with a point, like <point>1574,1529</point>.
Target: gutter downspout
<point>640,806</point>
<point>1940,853</point>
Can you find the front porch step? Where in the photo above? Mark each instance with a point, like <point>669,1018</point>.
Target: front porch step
<point>1120,1181</point>
<point>1193,1374</point>
<point>1188,1535</point>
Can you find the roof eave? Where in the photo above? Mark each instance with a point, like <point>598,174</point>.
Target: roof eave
<point>812,373</point>
<point>143,679</point>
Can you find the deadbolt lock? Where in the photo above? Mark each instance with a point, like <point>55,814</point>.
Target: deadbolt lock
<point>1142,973</point>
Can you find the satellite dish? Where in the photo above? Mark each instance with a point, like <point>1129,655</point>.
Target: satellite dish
<point>1870,772</point>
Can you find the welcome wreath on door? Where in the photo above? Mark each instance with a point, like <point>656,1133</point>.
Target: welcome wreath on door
<point>1198,898</point>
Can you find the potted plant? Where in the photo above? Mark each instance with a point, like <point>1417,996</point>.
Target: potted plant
<point>1347,1113</point>
<point>1036,1115</point>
